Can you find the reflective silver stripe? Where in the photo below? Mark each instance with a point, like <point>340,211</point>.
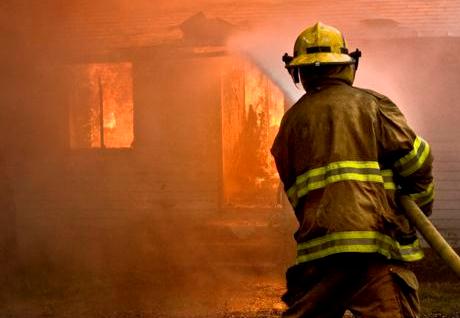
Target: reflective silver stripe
<point>365,171</point>
<point>414,159</point>
<point>358,242</point>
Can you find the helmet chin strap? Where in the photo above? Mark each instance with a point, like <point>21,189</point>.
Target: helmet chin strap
<point>356,56</point>
<point>293,71</point>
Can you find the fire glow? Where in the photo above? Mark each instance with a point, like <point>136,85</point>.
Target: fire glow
<point>102,109</point>
<point>252,110</point>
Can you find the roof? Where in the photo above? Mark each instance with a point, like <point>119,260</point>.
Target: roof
<point>107,24</point>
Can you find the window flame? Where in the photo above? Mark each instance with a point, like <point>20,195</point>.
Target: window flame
<point>102,109</point>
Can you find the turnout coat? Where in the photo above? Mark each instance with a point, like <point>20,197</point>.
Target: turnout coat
<point>343,154</point>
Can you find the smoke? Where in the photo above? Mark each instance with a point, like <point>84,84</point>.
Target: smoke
<point>102,232</point>
<point>265,46</point>
<point>392,67</point>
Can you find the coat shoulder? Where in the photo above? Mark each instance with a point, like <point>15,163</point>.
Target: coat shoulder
<point>372,93</point>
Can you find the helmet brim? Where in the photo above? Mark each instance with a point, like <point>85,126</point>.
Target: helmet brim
<point>321,58</point>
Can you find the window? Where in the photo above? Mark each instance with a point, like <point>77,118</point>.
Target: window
<point>101,106</point>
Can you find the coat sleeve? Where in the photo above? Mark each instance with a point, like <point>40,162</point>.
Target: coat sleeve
<point>281,154</point>
<point>407,154</point>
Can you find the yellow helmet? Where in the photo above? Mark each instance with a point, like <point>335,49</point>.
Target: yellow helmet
<point>318,45</point>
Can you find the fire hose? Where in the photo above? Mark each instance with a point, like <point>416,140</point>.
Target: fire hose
<point>431,234</point>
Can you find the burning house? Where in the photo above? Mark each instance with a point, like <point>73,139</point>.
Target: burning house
<point>147,98</point>
<point>176,134</point>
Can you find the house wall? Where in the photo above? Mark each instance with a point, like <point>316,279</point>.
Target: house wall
<point>420,75</point>
<point>93,208</point>
<point>178,127</point>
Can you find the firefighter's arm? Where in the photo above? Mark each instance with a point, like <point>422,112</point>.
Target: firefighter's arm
<point>407,154</point>
<point>415,175</point>
<point>280,152</point>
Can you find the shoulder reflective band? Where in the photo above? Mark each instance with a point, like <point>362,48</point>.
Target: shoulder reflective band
<point>358,242</point>
<point>424,197</point>
<point>324,49</point>
<point>414,159</point>
<point>365,171</point>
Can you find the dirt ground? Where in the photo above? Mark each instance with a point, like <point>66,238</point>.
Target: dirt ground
<point>183,293</point>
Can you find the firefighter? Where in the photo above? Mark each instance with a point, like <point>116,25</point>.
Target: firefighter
<point>344,154</point>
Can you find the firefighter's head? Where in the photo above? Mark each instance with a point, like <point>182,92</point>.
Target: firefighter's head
<point>321,52</point>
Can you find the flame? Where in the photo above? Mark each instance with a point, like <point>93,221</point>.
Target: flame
<point>110,121</point>
<point>111,85</point>
<point>101,90</point>
<point>253,107</point>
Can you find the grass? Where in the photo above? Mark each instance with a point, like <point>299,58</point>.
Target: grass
<point>439,286</point>
<point>440,297</point>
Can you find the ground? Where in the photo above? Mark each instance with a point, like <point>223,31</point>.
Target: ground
<point>46,292</point>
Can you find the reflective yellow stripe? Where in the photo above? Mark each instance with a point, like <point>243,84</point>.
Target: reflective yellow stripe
<point>337,165</point>
<point>414,159</point>
<point>425,193</point>
<point>388,182</point>
<point>358,242</point>
<point>337,178</point>
<point>364,171</point>
<point>426,201</point>
<point>410,155</point>
<point>387,173</point>
<point>389,186</point>
<point>345,236</point>
<point>424,197</point>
